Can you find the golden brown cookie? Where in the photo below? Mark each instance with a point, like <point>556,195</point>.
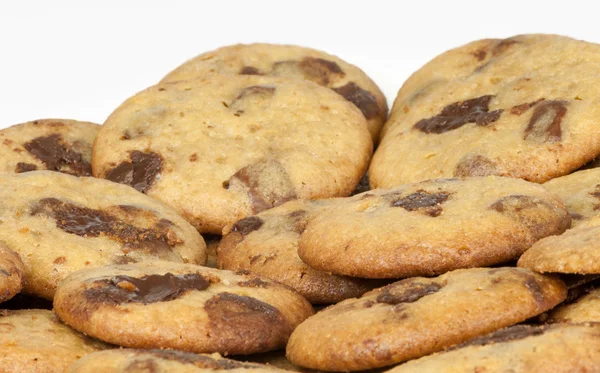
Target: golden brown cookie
<point>12,273</point>
<point>521,107</point>
<point>431,227</point>
<point>267,245</point>
<point>418,316</point>
<point>227,147</point>
<point>48,144</point>
<point>162,361</point>
<point>180,306</point>
<point>561,348</point>
<point>35,341</point>
<point>580,191</point>
<point>292,62</point>
<point>584,306</point>
<point>59,223</point>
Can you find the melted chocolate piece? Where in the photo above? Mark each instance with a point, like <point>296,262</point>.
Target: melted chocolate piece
<point>502,46</point>
<point>320,70</point>
<point>475,165</point>
<point>520,109</point>
<point>536,290</point>
<point>514,333</point>
<point>297,221</point>
<point>545,123</point>
<point>146,289</point>
<point>480,54</point>
<point>249,70</point>
<point>458,114</point>
<point>364,100</point>
<point>25,167</point>
<point>55,155</point>
<point>86,222</point>
<point>406,291</point>
<point>139,173</point>
<point>247,225</point>
<point>422,201</point>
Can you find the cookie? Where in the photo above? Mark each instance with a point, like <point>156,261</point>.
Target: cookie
<point>583,307</point>
<point>60,223</point>
<point>267,244</point>
<point>48,144</point>
<point>580,191</point>
<point>418,316</point>
<point>562,348</point>
<point>12,273</point>
<point>162,361</point>
<point>431,227</point>
<point>227,147</point>
<point>575,251</point>
<point>208,310</point>
<point>277,359</point>
<point>36,341</point>
<point>522,107</point>
<point>292,62</point>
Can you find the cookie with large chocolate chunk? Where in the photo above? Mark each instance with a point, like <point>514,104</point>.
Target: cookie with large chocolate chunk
<point>12,273</point>
<point>48,144</point>
<point>292,62</point>
<point>582,305</point>
<point>36,341</point>
<point>418,316</point>
<point>267,244</point>
<point>180,306</point>
<point>60,223</point>
<point>522,107</point>
<point>431,227</point>
<point>576,251</point>
<point>155,361</point>
<point>581,193</point>
<point>561,348</point>
<point>227,147</point>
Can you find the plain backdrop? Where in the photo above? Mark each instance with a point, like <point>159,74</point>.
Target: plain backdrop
<point>80,60</point>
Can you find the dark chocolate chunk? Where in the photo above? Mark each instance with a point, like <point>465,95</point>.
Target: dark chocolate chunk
<point>56,155</point>
<point>520,109</point>
<point>545,123</point>
<point>25,167</point>
<point>320,70</point>
<point>362,99</point>
<point>536,290</point>
<point>247,225</point>
<point>249,70</point>
<point>458,114</point>
<point>140,172</point>
<point>407,291</point>
<point>429,203</point>
<point>475,165</point>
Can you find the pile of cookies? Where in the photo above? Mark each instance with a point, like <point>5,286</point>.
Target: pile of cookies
<point>257,209</point>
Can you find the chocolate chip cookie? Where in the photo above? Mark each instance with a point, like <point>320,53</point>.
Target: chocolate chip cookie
<point>227,147</point>
<point>431,227</point>
<point>60,223</point>
<point>158,361</point>
<point>180,306</point>
<point>522,107</point>
<point>267,244</point>
<point>292,62</point>
<point>418,316</point>
<point>12,273</point>
<point>582,305</point>
<point>563,348</point>
<point>36,341</point>
<point>580,191</point>
<point>48,144</point>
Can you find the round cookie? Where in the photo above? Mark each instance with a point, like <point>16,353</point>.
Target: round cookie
<point>527,109</point>
<point>59,223</point>
<point>12,273</point>
<point>564,348</point>
<point>291,61</point>
<point>575,251</point>
<point>209,310</point>
<point>277,359</point>
<point>227,147</point>
<point>267,245</point>
<point>36,341</point>
<point>48,144</point>
<point>431,227</point>
<point>162,361</point>
<point>580,191</point>
<point>585,308</point>
<point>418,316</point>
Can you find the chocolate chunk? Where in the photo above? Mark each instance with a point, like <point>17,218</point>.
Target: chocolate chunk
<point>146,289</point>
<point>56,155</point>
<point>267,183</point>
<point>536,290</point>
<point>249,70</point>
<point>545,123</point>
<point>520,109</point>
<point>86,222</point>
<point>407,291</point>
<point>250,97</point>
<point>458,114</point>
<point>363,185</point>
<point>297,221</point>
<point>480,54</point>
<point>362,99</point>
<point>429,203</point>
<point>254,283</point>
<point>140,172</point>
<point>25,167</point>
<point>247,225</point>
<point>502,46</point>
<point>200,361</point>
<point>320,70</point>
<point>514,333</point>
<point>475,165</point>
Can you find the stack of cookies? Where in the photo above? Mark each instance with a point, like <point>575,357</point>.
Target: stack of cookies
<point>257,209</point>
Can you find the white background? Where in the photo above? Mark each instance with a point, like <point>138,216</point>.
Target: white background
<point>80,60</point>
